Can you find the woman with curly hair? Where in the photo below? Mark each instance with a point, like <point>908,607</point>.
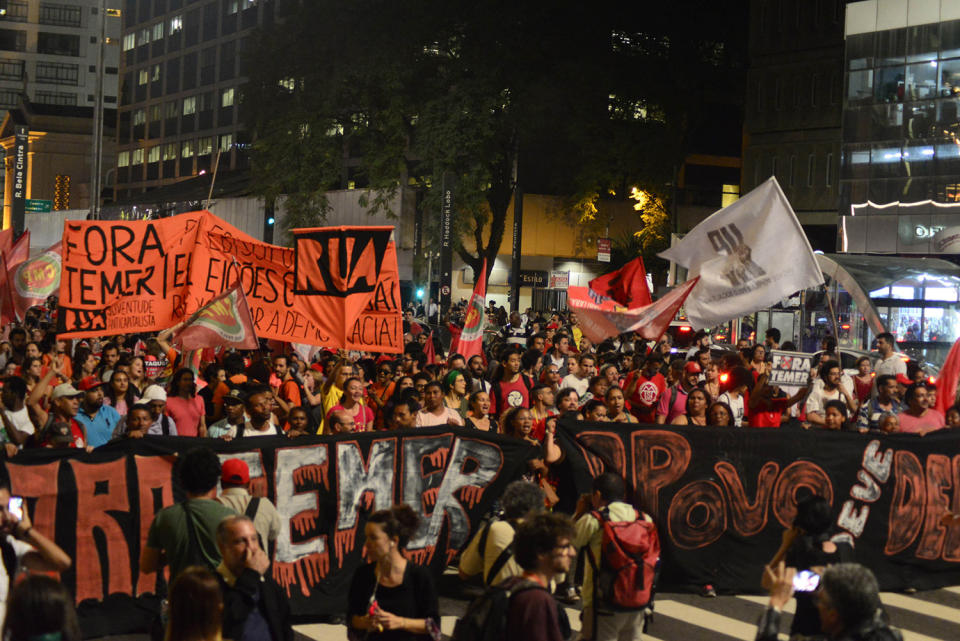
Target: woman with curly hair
<point>391,597</point>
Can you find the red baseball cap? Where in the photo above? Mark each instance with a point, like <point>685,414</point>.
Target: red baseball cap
<point>904,380</point>
<point>235,472</point>
<point>692,368</point>
<point>89,383</point>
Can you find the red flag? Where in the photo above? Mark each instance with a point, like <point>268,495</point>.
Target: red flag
<point>627,285</point>
<point>6,240</point>
<point>430,351</point>
<point>223,322</point>
<point>33,281</point>
<point>470,341</point>
<point>8,312</point>
<point>601,318</point>
<point>19,252</point>
<point>947,382</point>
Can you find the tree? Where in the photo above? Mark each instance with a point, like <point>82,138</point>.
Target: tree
<point>384,94</point>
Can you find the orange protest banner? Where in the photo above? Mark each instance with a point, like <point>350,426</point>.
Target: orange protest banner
<point>124,277</point>
<point>350,274</point>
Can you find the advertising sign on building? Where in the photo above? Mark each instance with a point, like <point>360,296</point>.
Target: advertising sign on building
<point>559,280</point>
<point>604,246</point>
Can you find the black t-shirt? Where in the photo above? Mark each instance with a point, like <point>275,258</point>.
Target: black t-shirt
<point>415,598</point>
<point>806,620</point>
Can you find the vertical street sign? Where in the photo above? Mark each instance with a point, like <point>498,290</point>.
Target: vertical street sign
<point>20,150</point>
<point>446,246</point>
<point>517,238</point>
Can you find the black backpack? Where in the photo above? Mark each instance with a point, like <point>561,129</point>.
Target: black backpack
<point>486,617</point>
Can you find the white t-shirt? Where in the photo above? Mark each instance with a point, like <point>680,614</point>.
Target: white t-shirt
<point>736,407</point>
<point>579,384</point>
<point>21,421</point>
<point>20,548</point>
<point>818,399</point>
<point>250,430</point>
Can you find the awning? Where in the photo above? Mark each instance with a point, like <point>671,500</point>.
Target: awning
<point>860,274</point>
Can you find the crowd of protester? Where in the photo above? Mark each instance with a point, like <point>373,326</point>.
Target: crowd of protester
<point>534,370</point>
<point>537,368</point>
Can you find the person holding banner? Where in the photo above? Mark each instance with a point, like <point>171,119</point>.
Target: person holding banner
<point>832,390</point>
<point>919,417</point>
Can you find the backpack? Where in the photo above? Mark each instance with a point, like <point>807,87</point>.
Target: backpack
<point>505,555</point>
<point>629,560</point>
<point>486,616</point>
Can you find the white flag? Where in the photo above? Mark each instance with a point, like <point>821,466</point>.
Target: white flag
<point>749,256</point>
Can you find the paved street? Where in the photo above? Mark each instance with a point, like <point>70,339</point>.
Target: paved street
<point>924,616</point>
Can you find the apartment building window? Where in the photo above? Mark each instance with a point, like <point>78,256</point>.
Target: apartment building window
<point>143,37</point>
<point>154,154</point>
<point>793,170</point>
<point>11,69</point>
<point>137,157</point>
<point>232,6</point>
<point>187,149</point>
<point>226,97</point>
<point>13,40</point>
<point>123,159</point>
<point>811,168</point>
<point>58,73</point>
<point>176,24</point>
<point>155,73</point>
<point>170,151</point>
<point>158,31</point>
<point>189,106</point>
<point>129,41</point>
<point>60,15</point>
<point>139,117</point>
<point>226,142</point>
<point>170,109</point>
<point>143,77</point>
<point>154,113</point>
<point>17,12</point>
<point>829,180</point>
<point>9,98</point>
<point>58,44</point>
<point>56,98</point>
<point>205,146</point>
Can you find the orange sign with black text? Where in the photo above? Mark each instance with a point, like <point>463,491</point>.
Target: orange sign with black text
<point>123,277</point>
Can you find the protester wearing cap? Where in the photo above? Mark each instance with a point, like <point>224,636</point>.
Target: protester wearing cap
<point>98,419</point>
<point>235,481</point>
<point>235,415</point>
<point>673,402</point>
<point>64,405</point>
<point>155,398</point>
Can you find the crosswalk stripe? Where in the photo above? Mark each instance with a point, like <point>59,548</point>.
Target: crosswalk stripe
<point>574,616</point>
<point>790,607</point>
<point>726,618</point>
<point>919,605</point>
<point>910,635</point>
<point>706,619</point>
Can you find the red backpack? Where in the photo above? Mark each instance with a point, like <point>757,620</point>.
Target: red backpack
<point>629,562</point>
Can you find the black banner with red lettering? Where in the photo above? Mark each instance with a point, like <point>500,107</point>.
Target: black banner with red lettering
<point>99,507</point>
<point>722,497</point>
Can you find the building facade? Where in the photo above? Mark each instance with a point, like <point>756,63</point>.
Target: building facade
<point>792,115</point>
<point>181,72</point>
<point>901,122</point>
<point>50,51</point>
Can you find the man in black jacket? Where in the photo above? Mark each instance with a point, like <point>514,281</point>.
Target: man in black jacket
<point>254,606</point>
<point>848,603</point>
